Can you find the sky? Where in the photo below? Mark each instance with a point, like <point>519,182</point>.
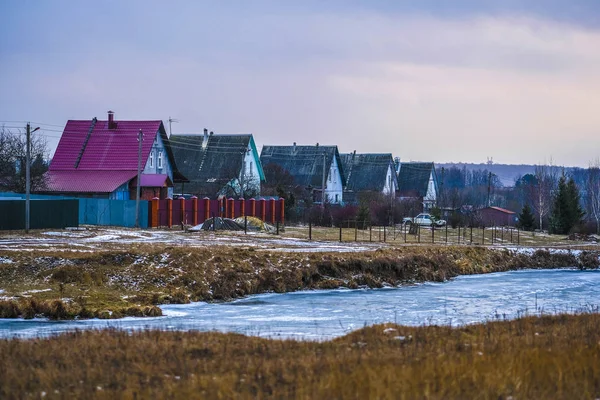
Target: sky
<point>443,81</point>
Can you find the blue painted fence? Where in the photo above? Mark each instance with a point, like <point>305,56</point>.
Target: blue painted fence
<point>112,212</point>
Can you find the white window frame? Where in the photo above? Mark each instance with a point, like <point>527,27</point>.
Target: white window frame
<point>152,159</point>
<point>159,161</point>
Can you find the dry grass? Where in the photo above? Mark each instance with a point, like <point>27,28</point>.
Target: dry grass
<point>127,281</point>
<point>548,357</point>
<point>395,236</point>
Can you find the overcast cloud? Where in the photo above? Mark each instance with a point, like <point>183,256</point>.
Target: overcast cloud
<point>517,81</point>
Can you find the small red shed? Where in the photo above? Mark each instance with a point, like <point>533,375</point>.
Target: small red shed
<point>496,216</point>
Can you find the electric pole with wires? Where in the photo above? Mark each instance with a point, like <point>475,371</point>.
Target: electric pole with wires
<point>28,176</point>
<point>140,139</point>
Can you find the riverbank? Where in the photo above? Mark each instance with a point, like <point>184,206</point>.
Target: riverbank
<point>133,279</point>
<point>534,357</point>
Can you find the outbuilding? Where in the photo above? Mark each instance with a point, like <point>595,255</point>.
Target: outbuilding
<point>496,216</point>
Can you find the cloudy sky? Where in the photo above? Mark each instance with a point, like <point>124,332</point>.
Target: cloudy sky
<point>461,80</point>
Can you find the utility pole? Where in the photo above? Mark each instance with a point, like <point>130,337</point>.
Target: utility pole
<point>489,187</point>
<point>139,173</point>
<point>28,176</point>
<point>323,184</point>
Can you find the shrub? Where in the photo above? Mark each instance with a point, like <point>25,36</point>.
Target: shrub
<point>9,309</point>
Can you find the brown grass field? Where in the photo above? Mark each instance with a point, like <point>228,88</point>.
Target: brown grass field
<point>110,283</point>
<point>530,358</point>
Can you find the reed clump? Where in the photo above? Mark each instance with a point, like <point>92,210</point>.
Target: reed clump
<point>550,357</point>
<point>61,310</point>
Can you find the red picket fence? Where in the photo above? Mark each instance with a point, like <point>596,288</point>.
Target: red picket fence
<point>195,211</point>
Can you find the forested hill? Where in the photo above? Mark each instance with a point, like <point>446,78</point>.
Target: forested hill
<point>505,172</point>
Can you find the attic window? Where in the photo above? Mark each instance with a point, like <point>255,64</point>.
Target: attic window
<point>159,163</point>
<point>151,159</point>
<point>250,168</point>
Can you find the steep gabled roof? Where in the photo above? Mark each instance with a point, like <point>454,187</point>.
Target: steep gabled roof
<point>88,150</point>
<point>304,163</point>
<point>105,149</point>
<point>413,178</point>
<point>367,172</point>
<point>209,168</point>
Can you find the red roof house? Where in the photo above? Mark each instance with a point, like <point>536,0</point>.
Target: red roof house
<point>100,159</point>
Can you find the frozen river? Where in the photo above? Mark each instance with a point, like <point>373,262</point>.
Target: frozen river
<point>325,314</point>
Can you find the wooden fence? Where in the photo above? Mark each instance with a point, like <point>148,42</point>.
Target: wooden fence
<point>195,211</point>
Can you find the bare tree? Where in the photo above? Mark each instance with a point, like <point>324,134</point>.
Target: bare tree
<point>592,189</point>
<point>540,193</point>
<point>13,148</point>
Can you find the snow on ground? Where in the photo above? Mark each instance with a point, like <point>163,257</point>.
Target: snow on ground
<point>37,291</point>
<point>96,238</point>
<point>5,260</point>
<point>530,250</point>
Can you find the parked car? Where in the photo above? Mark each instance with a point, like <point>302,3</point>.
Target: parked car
<point>424,219</point>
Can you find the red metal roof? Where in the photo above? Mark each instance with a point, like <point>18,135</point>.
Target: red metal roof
<point>106,149</point>
<point>87,181</point>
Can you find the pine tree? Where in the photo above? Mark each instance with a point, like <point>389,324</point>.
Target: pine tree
<point>567,212</point>
<point>576,213</point>
<point>526,218</point>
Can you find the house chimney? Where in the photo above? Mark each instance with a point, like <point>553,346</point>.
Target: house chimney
<point>205,139</point>
<point>354,154</point>
<point>111,120</point>
<point>294,148</point>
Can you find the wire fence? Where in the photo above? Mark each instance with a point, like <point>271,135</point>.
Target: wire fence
<point>353,231</point>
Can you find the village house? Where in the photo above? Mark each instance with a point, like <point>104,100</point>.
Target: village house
<point>418,181</point>
<point>310,166</point>
<point>219,165</point>
<point>371,172</point>
<point>99,159</point>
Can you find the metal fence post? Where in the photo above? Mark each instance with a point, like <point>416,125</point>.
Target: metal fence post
<point>432,234</point>
<point>446,233</point>
<point>384,234</point>
<point>356,231</point>
<point>340,232</point>
<point>309,229</point>
<point>471,234</point>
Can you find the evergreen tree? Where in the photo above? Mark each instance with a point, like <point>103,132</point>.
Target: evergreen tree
<point>526,218</point>
<point>567,212</point>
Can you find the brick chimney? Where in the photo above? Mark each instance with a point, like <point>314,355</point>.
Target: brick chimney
<point>111,120</point>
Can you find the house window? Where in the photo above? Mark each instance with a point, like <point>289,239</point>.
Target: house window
<point>152,159</point>
<point>159,163</point>
<point>336,198</point>
<point>250,169</point>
